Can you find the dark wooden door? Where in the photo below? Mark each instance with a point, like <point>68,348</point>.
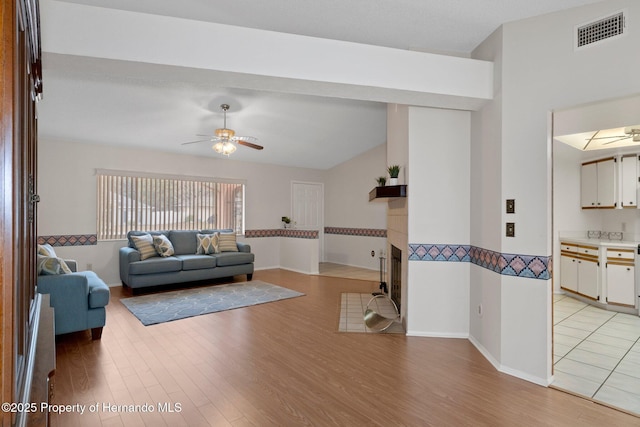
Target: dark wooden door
<point>20,87</point>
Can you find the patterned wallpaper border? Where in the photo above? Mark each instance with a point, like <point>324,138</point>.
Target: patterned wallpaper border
<point>532,266</point>
<point>348,231</point>
<point>282,232</point>
<point>69,240</point>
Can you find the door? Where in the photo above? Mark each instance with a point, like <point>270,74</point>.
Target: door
<point>588,278</point>
<point>629,181</point>
<point>621,285</point>
<point>308,209</point>
<point>607,183</point>
<point>589,185</point>
<point>569,273</point>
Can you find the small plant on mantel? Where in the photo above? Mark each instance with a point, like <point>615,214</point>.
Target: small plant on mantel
<point>394,171</point>
<point>382,181</point>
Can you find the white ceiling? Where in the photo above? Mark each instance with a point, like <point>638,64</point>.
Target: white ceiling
<point>296,130</point>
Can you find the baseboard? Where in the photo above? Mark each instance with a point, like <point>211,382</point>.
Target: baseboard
<point>437,334</point>
<point>299,271</point>
<point>509,371</point>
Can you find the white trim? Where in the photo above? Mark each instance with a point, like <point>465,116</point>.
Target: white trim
<point>460,335</point>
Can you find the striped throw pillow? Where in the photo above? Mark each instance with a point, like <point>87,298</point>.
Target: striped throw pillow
<point>227,242</point>
<point>144,245</point>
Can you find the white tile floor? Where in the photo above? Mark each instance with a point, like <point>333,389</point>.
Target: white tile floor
<point>597,353</point>
<point>353,306</point>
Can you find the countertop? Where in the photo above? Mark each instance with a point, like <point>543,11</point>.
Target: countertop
<point>600,242</point>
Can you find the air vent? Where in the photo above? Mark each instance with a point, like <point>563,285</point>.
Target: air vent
<point>602,29</point>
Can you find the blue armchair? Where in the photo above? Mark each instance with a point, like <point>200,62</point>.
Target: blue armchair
<point>78,298</point>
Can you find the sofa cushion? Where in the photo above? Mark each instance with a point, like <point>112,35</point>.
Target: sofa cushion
<point>197,262</point>
<point>155,265</point>
<point>52,265</point>
<point>207,243</point>
<point>233,258</point>
<point>227,242</point>
<point>163,245</point>
<point>184,241</point>
<point>144,245</point>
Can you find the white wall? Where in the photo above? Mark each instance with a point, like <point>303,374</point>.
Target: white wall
<point>347,204</point>
<point>67,187</point>
<point>439,208</point>
<point>541,72</point>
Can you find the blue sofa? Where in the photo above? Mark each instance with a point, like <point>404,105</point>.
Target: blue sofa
<point>184,265</point>
<point>79,299</point>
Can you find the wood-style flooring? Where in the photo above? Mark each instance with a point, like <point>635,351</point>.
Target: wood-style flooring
<point>348,272</point>
<point>285,364</point>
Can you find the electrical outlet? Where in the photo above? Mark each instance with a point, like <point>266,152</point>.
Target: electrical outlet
<point>90,267</point>
<point>373,253</point>
<point>480,310</point>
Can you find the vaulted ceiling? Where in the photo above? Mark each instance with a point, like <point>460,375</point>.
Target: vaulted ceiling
<point>108,107</point>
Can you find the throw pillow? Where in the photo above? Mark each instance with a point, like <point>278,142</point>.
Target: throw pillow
<point>207,243</point>
<point>144,245</point>
<point>163,245</point>
<point>228,242</point>
<point>52,265</point>
<point>46,250</point>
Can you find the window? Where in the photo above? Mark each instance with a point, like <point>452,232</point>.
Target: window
<point>139,201</point>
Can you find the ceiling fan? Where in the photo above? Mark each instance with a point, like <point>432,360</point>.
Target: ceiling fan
<point>631,132</point>
<point>225,139</point>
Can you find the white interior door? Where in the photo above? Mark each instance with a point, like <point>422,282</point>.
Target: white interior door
<point>308,209</point>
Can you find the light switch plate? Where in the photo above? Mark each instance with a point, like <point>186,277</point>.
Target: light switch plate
<point>511,206</point>
<point>511,229</point>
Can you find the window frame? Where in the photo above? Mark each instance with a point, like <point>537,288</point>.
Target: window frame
<point>181,183</point>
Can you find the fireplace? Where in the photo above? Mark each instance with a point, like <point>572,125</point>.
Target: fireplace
<point>396,276</point>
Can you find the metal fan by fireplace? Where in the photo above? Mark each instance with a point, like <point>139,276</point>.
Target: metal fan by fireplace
<point>225,139</point>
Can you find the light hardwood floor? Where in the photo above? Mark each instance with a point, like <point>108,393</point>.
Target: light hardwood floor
<point>285,364</point>
<point>348,272</point>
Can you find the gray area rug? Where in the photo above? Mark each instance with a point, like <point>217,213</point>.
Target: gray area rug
<point>180,304</point>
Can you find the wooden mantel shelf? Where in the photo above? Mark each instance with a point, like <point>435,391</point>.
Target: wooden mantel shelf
<point>388,192</point>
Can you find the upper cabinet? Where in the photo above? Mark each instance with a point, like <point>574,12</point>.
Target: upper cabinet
<point>598,184</point>
<point>629,181</point>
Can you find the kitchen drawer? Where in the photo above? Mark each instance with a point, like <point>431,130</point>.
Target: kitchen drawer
<point>620,254</point>
<point>588,250</point>
<point>568,247</point>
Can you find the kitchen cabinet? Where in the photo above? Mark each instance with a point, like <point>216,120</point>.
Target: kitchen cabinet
<point>629,181</point>
<point>598,184</point>
<point>579,266</point>
<point>620,276</point>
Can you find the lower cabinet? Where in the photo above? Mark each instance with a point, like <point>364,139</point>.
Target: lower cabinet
<point>621,282</point>
<point>588,278</point>
<point>614,284</point>
<point>579,269</point>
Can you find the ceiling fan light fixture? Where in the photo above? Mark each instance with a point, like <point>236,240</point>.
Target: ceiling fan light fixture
<point>225,133</point>
<point>227,148</point>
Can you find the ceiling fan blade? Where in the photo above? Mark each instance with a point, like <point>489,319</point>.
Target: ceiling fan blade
<point>249,144</point>
<point>616,140</point>
<point>609,137</point>
<point>193,142</point>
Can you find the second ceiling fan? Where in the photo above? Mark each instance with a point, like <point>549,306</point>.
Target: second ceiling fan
<point>225,139</point>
